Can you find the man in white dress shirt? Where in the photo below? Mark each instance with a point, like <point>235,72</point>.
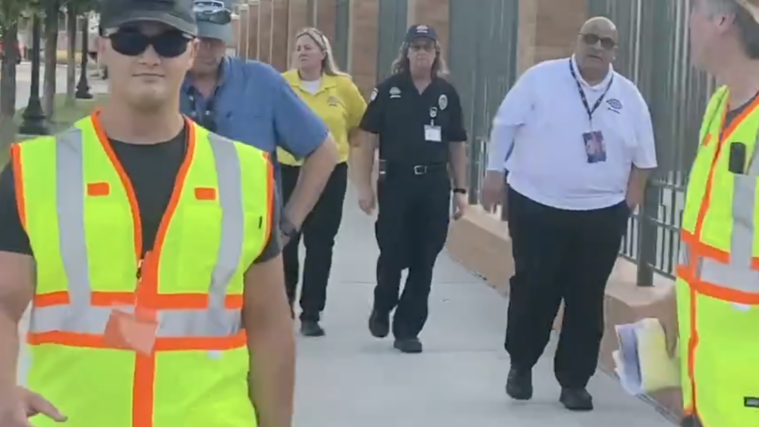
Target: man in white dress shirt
<point>583,147</point>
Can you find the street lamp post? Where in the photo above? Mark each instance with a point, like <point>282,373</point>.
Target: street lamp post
<point>34,120</point>
<point>83,87</point>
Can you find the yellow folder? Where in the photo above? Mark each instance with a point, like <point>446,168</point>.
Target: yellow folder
<point>644,346</point>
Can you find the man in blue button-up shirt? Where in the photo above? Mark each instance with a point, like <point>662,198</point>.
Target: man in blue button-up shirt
<point>250,102</point>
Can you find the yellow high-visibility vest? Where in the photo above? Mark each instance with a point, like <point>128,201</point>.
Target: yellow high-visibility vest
<point>79,210</point>
<point>718,274</point>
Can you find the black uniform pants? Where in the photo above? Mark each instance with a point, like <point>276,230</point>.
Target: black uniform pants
<point>319,231</point>
<point>411,230</point>
<point>560,254</point>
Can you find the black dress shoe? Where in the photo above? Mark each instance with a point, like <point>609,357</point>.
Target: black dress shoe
<point>408,345</point>
<point>310,328</point>
<point>576,399</point>
<point>379,324</point>
<point>519,384</point>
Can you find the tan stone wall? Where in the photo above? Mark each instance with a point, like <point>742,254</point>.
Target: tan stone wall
<point>254,16</point>
<point>363,55</point>
<point>279,52</point>
<point>548,29</point>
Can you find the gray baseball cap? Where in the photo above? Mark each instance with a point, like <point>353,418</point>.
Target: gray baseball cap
<point>214,18</point>
<point>179,14</point>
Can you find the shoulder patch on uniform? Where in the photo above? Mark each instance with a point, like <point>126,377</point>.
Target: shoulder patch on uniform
<point>442,102</point>
<point>374,94</point>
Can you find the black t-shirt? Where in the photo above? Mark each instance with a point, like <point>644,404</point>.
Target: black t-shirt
<point>152,170</point>
<point>398,113</point>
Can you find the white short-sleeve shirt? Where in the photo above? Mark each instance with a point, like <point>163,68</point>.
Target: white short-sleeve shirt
<point>545,117</point>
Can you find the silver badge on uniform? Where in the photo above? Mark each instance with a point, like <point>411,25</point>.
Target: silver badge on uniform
<point>433,112</point>
<point>395,92</point>
<point>442,102</point>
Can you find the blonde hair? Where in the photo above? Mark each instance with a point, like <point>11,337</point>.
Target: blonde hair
<point>329,66</point>
<point>401,63</point>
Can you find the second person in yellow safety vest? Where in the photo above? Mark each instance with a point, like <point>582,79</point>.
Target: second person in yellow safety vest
<point>334,97</point>
<point>145,246</point>
<point>717,289</point>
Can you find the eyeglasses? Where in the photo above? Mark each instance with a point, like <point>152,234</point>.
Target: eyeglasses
<point>213,11</point>
<point>131,42</point>
<point>221,17</point>
<point>427,47</point>
<point>206,119</point>
<point>591,39</point>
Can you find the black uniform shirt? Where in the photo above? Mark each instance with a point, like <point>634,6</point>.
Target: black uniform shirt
<point>398,113</point>
<point>152,170</point>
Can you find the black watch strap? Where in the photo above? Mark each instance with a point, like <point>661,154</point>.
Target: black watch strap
<point>459,190</point>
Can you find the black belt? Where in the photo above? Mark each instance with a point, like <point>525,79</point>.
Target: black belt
<point>417,170</point>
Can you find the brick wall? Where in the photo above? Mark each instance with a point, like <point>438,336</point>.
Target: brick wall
<point>547,29</point>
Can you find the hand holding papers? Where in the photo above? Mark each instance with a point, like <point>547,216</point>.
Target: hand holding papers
<point>642,361</point>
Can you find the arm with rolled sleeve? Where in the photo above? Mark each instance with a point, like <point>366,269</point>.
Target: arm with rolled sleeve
<point>513,112</point>
<point>644,156</point>
<point>304,135</point>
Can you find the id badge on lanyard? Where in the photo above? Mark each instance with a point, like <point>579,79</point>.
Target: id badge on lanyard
<point>593,140</point>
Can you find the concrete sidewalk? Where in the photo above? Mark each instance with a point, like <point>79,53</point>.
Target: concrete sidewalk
<point>350,379</point>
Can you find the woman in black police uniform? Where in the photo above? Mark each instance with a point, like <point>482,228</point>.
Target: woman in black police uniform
<point>417,116</point>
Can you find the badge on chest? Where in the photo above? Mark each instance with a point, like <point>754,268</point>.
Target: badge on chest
<point>595,147</point>
<point>432,132</point>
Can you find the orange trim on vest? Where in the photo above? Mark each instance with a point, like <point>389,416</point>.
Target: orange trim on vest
<point>157,301</point>
<point>98,189</point>
<point>698,248</point>
<point>18,182</point>
<point>205,193</point>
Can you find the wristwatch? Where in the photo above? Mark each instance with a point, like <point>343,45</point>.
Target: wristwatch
<point>287,228</point>
<point>459,191</point>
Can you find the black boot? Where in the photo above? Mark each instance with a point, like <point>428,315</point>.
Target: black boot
<point>311,328</point>
<point>379,324</point>
<point>519,384</point>
<point>408,345</point>
<point>576,399</point>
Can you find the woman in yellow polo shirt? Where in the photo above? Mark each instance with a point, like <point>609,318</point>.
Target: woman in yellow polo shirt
<point>335,98</point>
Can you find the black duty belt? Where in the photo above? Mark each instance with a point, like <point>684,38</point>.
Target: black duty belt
<point>417,170</point>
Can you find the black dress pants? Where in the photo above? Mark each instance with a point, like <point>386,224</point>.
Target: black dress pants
<point>318,231</point>
<point>411,230</point>
<point>560,255</point>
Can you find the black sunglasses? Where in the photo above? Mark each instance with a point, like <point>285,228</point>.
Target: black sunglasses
<point>221,17</point>
<point>131,42</point>
<point>591,39</point>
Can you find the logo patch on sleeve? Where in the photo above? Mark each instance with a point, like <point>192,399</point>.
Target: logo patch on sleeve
<point>751,402</point>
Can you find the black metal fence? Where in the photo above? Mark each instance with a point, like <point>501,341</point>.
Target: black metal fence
<point>483,62</point>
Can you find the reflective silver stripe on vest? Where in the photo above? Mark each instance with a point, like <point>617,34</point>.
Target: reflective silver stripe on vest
<point>738,274</point>
<point>171,323</point>
<point>79,316</point>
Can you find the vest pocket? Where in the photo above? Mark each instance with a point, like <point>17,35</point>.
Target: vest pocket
<point>193,239</point>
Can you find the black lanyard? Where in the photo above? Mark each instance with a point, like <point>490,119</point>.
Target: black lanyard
<point>583,98</point>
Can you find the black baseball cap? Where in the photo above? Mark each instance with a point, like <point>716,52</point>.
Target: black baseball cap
<point>421,31</point>
<point>178,14</point>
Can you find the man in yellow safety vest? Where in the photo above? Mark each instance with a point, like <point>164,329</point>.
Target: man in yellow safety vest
<point>149,250</point>
<point>717,290</point>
